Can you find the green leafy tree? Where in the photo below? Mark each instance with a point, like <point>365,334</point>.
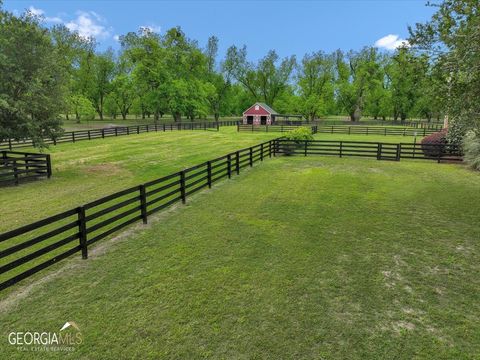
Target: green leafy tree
<point>32,81</point>
<point>452,40</point>
<point>356,73</point>
<point>267,79</point>
<point>315,80</point>
<point>407,73</point>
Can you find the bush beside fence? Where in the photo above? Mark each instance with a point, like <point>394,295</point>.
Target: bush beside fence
<point>19,166</point>
<point>74,136</point>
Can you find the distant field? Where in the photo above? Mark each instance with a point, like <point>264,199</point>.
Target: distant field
<point>297,258</point>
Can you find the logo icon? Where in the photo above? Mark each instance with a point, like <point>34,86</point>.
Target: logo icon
<point>68,324</point>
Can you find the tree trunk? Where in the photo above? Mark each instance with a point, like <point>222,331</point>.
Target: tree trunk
<point>356,114</point>
<point>177,117</point>
<point>217,116</point>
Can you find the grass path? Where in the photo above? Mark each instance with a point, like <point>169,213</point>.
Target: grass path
<point>302,258</point>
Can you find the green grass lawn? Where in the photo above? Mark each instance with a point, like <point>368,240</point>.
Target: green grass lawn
<point>87,170</point>
<point>297,258</point>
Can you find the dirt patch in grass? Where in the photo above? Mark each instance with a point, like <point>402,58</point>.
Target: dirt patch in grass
<point>99,169</point>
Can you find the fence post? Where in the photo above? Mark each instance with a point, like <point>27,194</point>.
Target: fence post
<point>306,144</point>
<point>261,152</point>
<point>237,163</point>
<point>143,203</point>
<point>128,130</point>
<point>103,133</point>
<point>332,129</point>
<point>218,126</point>
<point>73,136</point>
<point>275,142</point>
<point>238,127</point>
<point>138,129</point>
<point>209,174</point>
<point>229,165</point>
<point>116,131</point>
<point>82,230</point>
<point>10,143</point>
<point>251,156</point>
<point>89,137</point>
<point>15,171</point>
<point>424,131</point>
<point>399,150</point>
<point>49,167</point>
<point>156,129</point>
<point>182,186</point>
<point>341,148</point>
<point>379,151</point>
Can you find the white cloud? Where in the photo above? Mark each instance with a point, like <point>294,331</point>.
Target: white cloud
<point>390,42</point>
<point>88,24</point>
<point>150,28</point>
<point>116,37</point>
<point>41,13</point>
<point>35,11</point>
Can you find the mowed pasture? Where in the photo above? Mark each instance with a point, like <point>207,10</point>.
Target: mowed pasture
<point>315,257</point>
<point>90,169</point>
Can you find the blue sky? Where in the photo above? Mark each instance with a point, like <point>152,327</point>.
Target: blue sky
<point>289,27</point>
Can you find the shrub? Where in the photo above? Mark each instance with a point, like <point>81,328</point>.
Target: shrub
<point>471,149</point>
<point>437,138</point>
<point>299,134</point>
<point>297,138</point>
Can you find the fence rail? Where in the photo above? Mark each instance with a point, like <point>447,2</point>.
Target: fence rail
<point>378,150</point>
<point>413,124</point>
<point>273,128</point>
<point>31,248</point>
<point>19,166</point>
<point>74,136</point>
<point>341,129</point>
<point>375,130</point>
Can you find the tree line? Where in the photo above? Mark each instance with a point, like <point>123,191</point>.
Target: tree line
<point>46,72</point>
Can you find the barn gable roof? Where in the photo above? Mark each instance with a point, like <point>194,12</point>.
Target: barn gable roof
<point>268,108</point>
<point>264,106</point>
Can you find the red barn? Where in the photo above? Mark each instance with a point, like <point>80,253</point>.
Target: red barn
<point>259,114</point>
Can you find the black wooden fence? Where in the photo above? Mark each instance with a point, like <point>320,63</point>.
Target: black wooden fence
<point>274,128</point>
<point>33,247</point>
<point>378,150</point>
<point>375,130</point>
<point>413,124</point>
<point>73,136</point>
<point>339,129</point>
<point>18,166</point>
